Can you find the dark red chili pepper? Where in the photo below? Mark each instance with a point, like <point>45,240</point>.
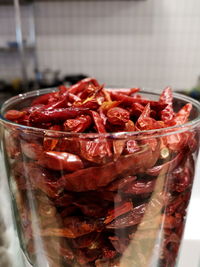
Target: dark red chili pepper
<point>41,179</point>
<point>77,125</point>
<point>94,177</point>
<point>78,87</point>
<point>68,211</point>
<point>166,167</point>
<point>98,122</point>
<point>31,109</point>
<point>96,210</point>
<point>176,202</point>
<point>58,104</point>
<point>43,99</point>
<point>84,256</point>
<point>86,240</point>
<point>140,187</point>
<point>129,126</point>
<point>167,98</point>
<point>31,150</point>
<point>118,116</point>
<point>145,122</point>
<point>50,143</point>
<point>108,253</point>
<point>127,92</point>
<point>14,115</point>
<point>182,116</point>
<point>128,100</point>
<point>119,210</point>
<point>74,98</point>
<point>121,183</point>
<point>118,147</point>
<point>136,109</point>
<point>132,146</point>
<point>90,104</point>
<point>64,200</point>
<point>73,227</point>
<point>95,151</point>
<point>62,114</point>
<point>132,218</point>
<point>181,180</point>
<point>60,161</point>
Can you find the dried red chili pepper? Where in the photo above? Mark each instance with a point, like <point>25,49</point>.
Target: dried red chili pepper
<point>58,104</point>
<point>86,240</point>
<point>136,109</point>
<point>132,218</point>
<point>43,99</point>
<point>64,200</point>
<point>145,122</point>
<point>68,211</point>
<point>118,116</point>
<point>95,151</point>
<point>80,86</point>
<point>121,183</point>
<point>174,204</point>
<point>119,210</point>
<point>132,146</point>
<point>166,167</point>
<point>50,143</point>
<point>108,253</point>
<point>167,98</point>
<point>61,114</point>
<point>84,256</point>
<point>127,92</point>
<point>101,176</point>
<point>95,210</point>
<point>78,125</point>
<point>31,150</point>
<point>118,147</point>
<point>88,103</point>
<point>60,161</point>
<point>182,116</point>
<point>128,100</point>
<point>73,227</point>
<point>41,179</point>
<point>14,115</point>
<point>140,187</point>
<point>110,196</point>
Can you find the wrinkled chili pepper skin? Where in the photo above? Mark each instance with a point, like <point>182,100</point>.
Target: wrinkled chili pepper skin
<point>77,88</point>
<point>167,98</point>
<point>60,161</point>
<point>101,200</point>
<point>102,176</point>
<point>118,116</point>
<point>61,114</point>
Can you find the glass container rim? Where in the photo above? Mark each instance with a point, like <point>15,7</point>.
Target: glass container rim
<point>144,133</point>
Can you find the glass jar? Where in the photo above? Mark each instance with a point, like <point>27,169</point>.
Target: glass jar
<point>126,208</point>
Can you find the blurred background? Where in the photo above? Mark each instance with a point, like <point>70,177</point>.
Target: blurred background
<point>143,43</point>
<point>129,43</point>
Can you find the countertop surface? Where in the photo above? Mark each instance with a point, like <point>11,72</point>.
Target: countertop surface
<point>9,247</point>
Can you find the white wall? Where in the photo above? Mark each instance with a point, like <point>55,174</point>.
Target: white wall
<point>150,43</point>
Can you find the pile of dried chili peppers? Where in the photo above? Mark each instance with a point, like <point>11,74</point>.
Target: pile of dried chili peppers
<point>101,199</point>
